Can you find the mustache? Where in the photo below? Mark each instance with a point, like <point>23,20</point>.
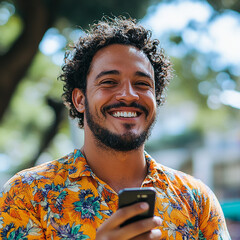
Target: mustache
<point>122,104</point>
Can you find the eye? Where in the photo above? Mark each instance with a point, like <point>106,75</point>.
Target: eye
<point>145,84</point>
<point>108,82</point>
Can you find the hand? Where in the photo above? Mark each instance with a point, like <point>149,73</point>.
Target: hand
<point>142,229</point>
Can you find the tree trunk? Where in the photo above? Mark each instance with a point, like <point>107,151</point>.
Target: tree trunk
<point>37,18</point>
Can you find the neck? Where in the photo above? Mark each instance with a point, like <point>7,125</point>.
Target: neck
<point>116,168</point>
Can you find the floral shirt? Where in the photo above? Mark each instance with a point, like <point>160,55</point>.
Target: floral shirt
<point>64,199</point>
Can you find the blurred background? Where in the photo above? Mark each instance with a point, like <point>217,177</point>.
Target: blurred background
<point>198,128</point>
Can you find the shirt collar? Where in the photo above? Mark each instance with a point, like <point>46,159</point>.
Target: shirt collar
<point>78,167</point>
<point>153,169</point>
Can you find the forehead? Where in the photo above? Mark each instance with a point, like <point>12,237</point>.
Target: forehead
<point>121,57</point>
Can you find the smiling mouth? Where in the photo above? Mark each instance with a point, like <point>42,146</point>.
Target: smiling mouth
<point>125,114</point>
<point>122,110</point>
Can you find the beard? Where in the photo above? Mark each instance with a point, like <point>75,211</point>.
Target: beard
<point>118,142</point>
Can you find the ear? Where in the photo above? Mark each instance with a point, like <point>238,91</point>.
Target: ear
<point>78,99</point>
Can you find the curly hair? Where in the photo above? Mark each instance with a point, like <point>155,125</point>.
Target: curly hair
<point>117,30</point>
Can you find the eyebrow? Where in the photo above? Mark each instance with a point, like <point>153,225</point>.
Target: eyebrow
<point>143,74</point>
<point>110,72</point>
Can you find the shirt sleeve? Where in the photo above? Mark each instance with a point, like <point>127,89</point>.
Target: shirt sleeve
<point>18,219</point>
<point>212,223</point>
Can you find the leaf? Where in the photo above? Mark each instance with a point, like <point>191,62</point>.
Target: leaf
<point>75,229</point>
<point>74,188</point>
<point>43,203</point>
<point>83,237</point>
<point>56,215</point>
<point>107,212</point>
<point>67,182</point>
<point>201,236</point>
<point>30,223</point>
<point>45,217</point>
<point>77,203</point>
<point>190,224</point>
<point>35,231</point>
<point>165,204</point>
<point>1,222</point>
<point>20,235</point>
<point>11,235</point>
<point>98,215</point>
<point>169,210</point>
<point>62,195</point>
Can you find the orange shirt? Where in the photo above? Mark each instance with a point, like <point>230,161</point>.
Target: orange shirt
<point>63,199</point>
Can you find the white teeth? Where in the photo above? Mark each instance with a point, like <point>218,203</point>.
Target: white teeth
<point>125,114</point>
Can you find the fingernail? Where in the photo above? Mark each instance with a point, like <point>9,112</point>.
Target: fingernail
<point>157,220</point>
<point>144,206</point>
<point>156,233</point>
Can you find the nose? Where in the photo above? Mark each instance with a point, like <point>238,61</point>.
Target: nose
<point>127,93</point>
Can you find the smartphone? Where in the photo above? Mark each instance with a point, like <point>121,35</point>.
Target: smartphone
<point>129,196</point>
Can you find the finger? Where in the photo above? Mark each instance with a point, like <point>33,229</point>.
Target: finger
<point>121,215</point>
<point>154,234</point>
<point>140,227</point>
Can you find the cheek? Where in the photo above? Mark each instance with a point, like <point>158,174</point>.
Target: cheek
<point>150,99</point>
<point>98,100</point>
<point>151,103</point>
<point>101,95</point>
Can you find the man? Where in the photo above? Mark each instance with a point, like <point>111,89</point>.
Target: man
<point>113,81</point>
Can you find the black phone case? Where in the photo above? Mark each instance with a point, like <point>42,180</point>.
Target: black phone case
<point>129,196</point>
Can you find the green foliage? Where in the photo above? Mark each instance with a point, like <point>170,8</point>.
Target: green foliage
<point>82,13</point>
<point>9,33</point>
